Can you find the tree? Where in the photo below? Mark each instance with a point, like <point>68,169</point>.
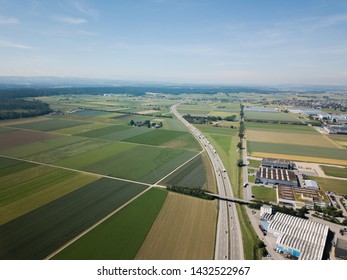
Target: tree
<point>239,145</point>
<point>132,123</point>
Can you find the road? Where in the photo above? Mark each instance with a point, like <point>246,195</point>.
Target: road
<point>247,188</point>
<point>229,238</point>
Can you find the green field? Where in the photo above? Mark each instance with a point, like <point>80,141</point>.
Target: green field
<point>268,116</point>
<point>254,163</point>
<point>173,124</point>
<point>191,175</point>
<point>82,128</point>
<point>216,130</point>
<point>335,171</point>
<point>9,166</point>
<point>124,232</point>
<point>14,192</point>
<point>122,160</point>
<point>69,150</point>
<point>264,194</point>
<point>300,150</point>
<point>170,138</point>
<point>40,232</point>
<point>50,125</point>
<point>334,185</point>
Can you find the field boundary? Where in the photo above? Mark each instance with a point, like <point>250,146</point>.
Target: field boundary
<point>95,225</point>
<point>156,183</point>
<point>77,170</point>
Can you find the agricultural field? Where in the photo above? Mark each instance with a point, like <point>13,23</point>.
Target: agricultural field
<point>269,116</point>
<point>40,232</point>
<point>15,137</point>
<point>335,171</point>
<point>9,166</point>
<point>154,164</point>
<point>183,230</point>
<point>195,174</point>
<point>50,125</point>
<point>90,113</point>
<point>297,152</point>
<point>286,128</point>
<point>33,142</point>
<point>82,128</point>
<point>168,138</point>
<point>318,140</point>
<point>334,185</point>
<point>124,231</point>
<point>34,187</point>
<point>264,194</point>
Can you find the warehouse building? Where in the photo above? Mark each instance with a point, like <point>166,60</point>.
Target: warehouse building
<point>302,239</point>
<point>276,176</point>
<point>310,184</point>
<point>299,197</point>
<point>341,248</point>
<point>278,163</point>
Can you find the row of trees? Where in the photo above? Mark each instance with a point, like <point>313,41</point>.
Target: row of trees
<point>197,192</point>
<point>13,108</point>
<point>208,119</point>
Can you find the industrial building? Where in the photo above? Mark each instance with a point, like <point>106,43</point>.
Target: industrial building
<point>278,163</point>
<point>341,248</point>
<point>276,176</point>
<point>300,238</point>
<point>310,184</point>
<point>299,197</point>
<point>336,129</point>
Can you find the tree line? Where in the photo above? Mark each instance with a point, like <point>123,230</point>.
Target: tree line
<point>207,119</point>
<point>13,108</point>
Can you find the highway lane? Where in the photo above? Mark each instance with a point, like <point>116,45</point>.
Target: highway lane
<point>229,238</point>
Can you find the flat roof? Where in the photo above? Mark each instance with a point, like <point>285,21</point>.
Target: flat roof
<point>301,194</point>
<point>311,183</point>
<point>341,248</point>
<point>276,174</point>
<point>306,236</point>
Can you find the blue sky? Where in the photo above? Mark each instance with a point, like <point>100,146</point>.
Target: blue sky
<point>189,41</point>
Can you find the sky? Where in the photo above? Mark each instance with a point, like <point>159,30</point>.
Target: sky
<point>236,42</point>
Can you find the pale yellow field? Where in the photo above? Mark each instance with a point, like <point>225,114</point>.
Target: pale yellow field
<point>221,114</point>
<point>184,230</point>
<point>300,158</point>
<point>148,112</point>
<point>291,138</point>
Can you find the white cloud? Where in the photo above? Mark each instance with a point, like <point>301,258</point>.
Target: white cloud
<point>84,9</point>
<point>8,20</point>
<point>71,20</point>
<point>10,44</point>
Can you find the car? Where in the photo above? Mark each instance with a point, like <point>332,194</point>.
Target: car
<point>245,185</point>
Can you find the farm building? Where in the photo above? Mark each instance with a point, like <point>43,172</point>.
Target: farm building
<point>278,163</point>
<point>303,239</point>
<point>276,176</point>
<point>341,248</point>
<point>299,197</point>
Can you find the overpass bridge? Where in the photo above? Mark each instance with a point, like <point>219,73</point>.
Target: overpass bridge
<point>231,199</point>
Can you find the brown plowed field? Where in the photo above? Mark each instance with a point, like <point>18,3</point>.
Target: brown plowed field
<point>19,137</point>
<point>184,230</point>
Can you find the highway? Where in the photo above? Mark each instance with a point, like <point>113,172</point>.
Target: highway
<point>229,237</point>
